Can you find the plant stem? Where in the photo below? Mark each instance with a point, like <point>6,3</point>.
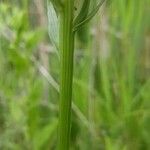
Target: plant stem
<point>67,51</point>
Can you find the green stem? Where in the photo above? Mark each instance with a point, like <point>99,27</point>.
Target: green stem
<point>67,51</point>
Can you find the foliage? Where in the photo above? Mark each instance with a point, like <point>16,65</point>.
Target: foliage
<point>111,80</point>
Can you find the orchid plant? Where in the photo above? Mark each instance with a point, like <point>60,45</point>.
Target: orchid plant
<point>65,17</point>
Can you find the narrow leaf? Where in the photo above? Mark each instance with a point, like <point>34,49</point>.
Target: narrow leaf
<point>83,12</point>
<point>53,24</point>
<point>89,17</point>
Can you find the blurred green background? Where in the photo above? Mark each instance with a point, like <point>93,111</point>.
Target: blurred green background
<point>111,96</point>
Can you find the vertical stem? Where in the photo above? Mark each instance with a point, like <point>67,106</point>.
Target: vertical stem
<point>67,50</point>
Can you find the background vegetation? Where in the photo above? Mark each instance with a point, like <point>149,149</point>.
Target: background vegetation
<point>111,97</point>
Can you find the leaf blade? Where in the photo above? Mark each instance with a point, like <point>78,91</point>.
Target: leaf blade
<point>53,24</point>
<point>89,17</point>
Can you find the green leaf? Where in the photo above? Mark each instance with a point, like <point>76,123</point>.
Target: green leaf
<point>53,24</point>
<point>88,18</point>
<point>83,12</point>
